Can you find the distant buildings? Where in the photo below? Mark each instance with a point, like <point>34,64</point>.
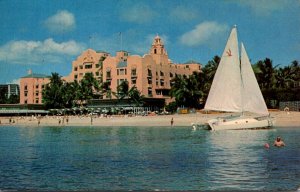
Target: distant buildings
<point>10,89</point>
<point>150,73</point>
<point>89,61</point>
<point>31,87</point>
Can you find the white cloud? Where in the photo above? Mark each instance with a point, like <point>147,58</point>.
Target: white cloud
<point>139,13</point>
<point>203,33</point>
<point>62,21</point>
<point>265,7</point>
<point>14,81</point>
<point>37,52</point>
<point>182,14</point>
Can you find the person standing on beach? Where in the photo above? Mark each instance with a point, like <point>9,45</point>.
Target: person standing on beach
<point>172,122</point>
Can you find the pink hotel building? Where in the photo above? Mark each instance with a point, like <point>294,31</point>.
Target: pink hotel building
<point>151,73</point>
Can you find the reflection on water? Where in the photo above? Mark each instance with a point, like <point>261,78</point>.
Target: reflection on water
<point>237,159</point>
<point>151,158</point>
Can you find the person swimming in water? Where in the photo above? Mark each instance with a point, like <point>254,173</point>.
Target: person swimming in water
<point>278,142</point>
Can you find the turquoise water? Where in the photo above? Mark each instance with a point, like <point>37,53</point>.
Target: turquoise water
<point>150,158</point>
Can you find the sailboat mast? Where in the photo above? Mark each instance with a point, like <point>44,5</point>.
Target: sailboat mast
<point>242,83</point>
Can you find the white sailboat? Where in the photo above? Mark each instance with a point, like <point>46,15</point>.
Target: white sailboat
<point>235,89</point>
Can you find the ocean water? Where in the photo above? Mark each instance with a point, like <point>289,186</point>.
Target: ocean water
<point>147,158</point>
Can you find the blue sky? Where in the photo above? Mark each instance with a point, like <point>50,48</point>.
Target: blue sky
<point>46,36</point>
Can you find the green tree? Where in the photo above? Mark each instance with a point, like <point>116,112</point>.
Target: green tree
<point>265,73</point>
<point>122,90</point>
<point>186,90</point>
<point>135,95</point>
<point>89,85</point>
<point>284,77</point>
<point>76,90</point>
<point>296,70</point>
<point>106,90</point>
<point>52,93</point>
<point>3,98</point>
<point>69,94</point>
<point>13,99</point>
<point>210,69</point>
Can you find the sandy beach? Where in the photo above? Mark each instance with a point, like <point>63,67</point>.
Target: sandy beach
<point>283,119</point>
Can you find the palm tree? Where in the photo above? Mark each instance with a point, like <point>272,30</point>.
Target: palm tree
<point>52,94</point>
<point>210,68</point>
<point>75,88</point>
<point>89,85</point>
<point>186,91</point>
<point>284,77</point>
<point>106,90</point>
<point>296,70</point>
<point>122,90</point>
<point>135,95</point>
<point>3,98</point>
<point>266,73</point>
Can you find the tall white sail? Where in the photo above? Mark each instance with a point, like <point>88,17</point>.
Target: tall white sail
<point>225,92</point>
<point>253,100</point>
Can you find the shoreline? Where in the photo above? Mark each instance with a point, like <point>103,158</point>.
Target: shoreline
<point>283,119</point>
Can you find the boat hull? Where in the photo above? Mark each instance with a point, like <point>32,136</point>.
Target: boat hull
<point>240,123</point>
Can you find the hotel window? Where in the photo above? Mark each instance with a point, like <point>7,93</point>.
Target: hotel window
<point>80,67</point>
<point>121,72</point>
<point>133,81</point>
<point>43,86</point>
<point>37,86</point>
<point>75,68</point>
<point>149,81</point>
<point>133,72</point>
<point>25,101</point>
<point>154,51</point>
<point>108,74</point>
<point>88,66</point>
<point>36,101</point>
<point>149,72</point>
<point>25,94</point>
<point>149,91</point>
<point>171,75</point>
<point>162,83</point>
<point>37,93</point>
<point>161,73</point>
<point>25,87</point>
<point>75,76</point>
<point>97,65</point>
<point>97,73</point>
